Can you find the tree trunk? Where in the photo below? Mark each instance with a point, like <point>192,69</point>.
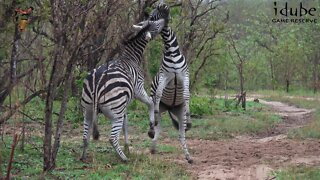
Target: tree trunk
<point>225,90</point>
<point>240,69</point>
<point>272,75</point>
<point>287,85</point>
<point>242,93</point>
<point>53,83</point>
<point>48,118</point>
<point>66,89</point>
<point>244,100</point>
<point>5,90</point>
<point>315,74</point>
<point>1,163</point>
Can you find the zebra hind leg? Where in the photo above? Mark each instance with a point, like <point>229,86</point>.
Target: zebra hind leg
<point>117,120</point>
<point>174,117</point>
<point>117,124</point>
<point>182,126</point>
<point>125,132</point>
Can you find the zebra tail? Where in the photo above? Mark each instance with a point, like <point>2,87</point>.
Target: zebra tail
<point>95,131</point>
<point>174,121</point>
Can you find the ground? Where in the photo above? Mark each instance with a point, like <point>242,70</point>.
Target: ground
<point>255,157</point>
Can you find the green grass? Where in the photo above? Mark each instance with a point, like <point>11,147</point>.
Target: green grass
<point>104,164</point>
<point>301,173</point>
<point>231,125</point>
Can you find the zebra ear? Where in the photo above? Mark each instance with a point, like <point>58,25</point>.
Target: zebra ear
<point>137,27</point>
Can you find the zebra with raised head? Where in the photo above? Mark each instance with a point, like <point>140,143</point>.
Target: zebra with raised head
<point>170,87</point>
<point>111,87</point>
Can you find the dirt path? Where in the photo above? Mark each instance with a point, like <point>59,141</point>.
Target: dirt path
<point>249,157</point>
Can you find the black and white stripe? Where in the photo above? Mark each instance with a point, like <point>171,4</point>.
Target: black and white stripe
<point>170,87</point>
<point>111,87</point>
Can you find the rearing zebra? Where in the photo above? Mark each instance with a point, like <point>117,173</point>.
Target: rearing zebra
<point>111,87</point>
<point>170,87</point>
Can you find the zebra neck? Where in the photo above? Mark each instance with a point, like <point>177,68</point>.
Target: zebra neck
<point>170,42</point>
<point>134,49</point>
<point>167,34</point>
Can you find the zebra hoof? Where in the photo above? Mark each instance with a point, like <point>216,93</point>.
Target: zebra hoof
<point>125,160</point>
<point>96,135</point>
<point>83,159</point>
<point>151,133</point>
<point>190,161</point>
<point>189,125</point>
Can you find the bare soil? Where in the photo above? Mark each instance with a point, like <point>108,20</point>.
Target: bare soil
<point>249,157</point>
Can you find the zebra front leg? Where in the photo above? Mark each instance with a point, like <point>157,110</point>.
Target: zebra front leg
<point>162,84</point>
<point>87,123</point>
<point>188,118</point>
<point>186,97</point>
<point>144,98</point>
<point>117,124</point>
<point>157,131</point>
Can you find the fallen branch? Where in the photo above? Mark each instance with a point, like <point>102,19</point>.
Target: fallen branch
<point>13,147</point>
<point>0,165</point>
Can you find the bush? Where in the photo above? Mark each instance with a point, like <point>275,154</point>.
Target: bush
<point>201,106</point>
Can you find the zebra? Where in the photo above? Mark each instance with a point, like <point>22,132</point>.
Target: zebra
<point>170,87</point>
<point>111,87</point>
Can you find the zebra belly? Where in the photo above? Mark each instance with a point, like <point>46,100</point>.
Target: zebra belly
<point>172,94</point>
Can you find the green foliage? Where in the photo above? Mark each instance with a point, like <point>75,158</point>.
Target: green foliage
<point>80,78</point>
<point>35,109</point>
<point>201,106</point>
<point>74,111</point>
<point>29,161</point>
<point>154,56</point>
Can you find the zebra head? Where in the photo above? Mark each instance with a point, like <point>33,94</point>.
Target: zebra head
<point>149,28</point>
<point>161,12</point>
